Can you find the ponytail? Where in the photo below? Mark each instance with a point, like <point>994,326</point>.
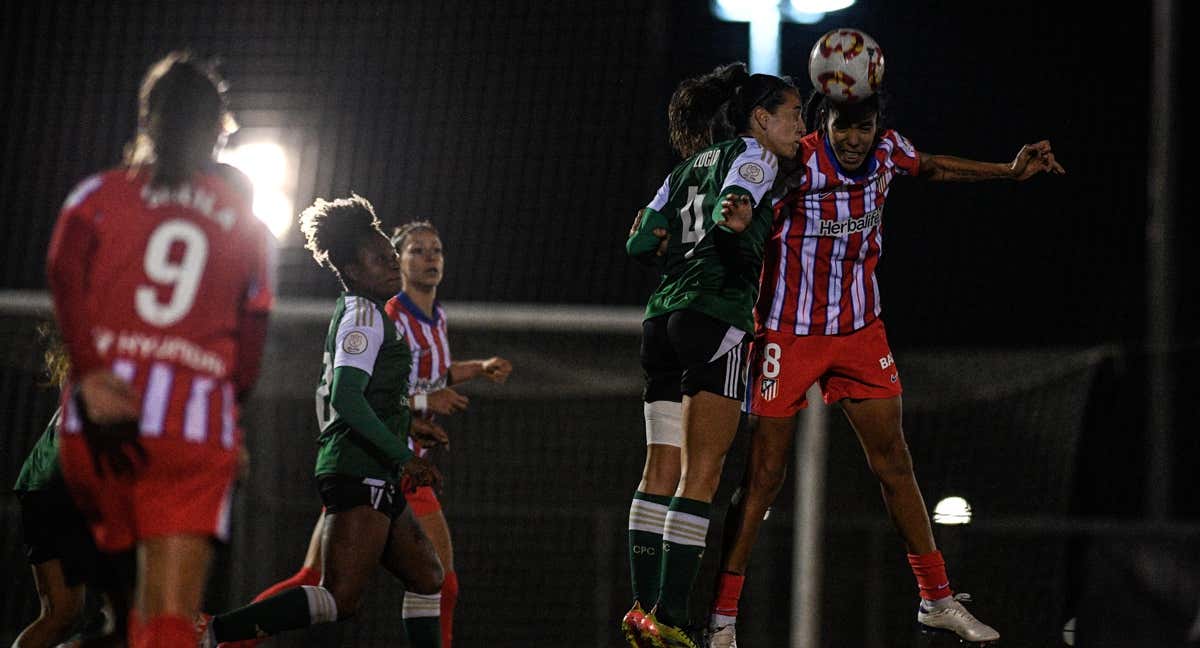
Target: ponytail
<point>717,106</point>
<point>181,107</point>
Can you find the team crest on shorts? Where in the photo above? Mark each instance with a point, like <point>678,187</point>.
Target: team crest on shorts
<point>768,389</point>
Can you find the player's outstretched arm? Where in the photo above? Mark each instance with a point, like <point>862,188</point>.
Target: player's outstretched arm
<point>1031,160</point>
<point>495,369</point>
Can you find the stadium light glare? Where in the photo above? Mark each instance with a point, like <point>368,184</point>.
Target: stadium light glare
<point>952,510</point>
<point>266,164</point>
<point>765,17</point>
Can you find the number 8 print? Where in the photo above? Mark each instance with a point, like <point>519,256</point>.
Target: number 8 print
<point>771,353</point>
<point>182,276</point>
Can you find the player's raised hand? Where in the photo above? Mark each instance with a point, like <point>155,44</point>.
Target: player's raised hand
<point>420,472</point>
<point>496,369</point>
<point>446,401</point>
<point>1033,159</point>
<point>427,433</point>
<point>737,211</point>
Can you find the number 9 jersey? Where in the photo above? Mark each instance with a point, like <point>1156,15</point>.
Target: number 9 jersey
<point>160,286</point>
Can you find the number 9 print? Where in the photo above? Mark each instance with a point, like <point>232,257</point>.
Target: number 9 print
<point>182,276</point>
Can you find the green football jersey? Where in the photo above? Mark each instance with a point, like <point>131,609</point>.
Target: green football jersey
<point>40,470</point>
<point>707,267</point>
<point>361,335</point>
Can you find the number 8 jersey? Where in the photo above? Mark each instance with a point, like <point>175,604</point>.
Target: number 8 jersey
<point>158,285</point>
<point>708,268</point>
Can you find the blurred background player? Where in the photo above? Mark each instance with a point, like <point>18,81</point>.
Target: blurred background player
<point>817,319</point>
<point>159,277</point>
<point>58,544</point>
<point>423,319</point>
<point>364,417</point>
<point>708,221</point>
<point>420,315</point>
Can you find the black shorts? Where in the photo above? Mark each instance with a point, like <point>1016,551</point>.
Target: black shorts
<point>341,493</point>
<point>54,529</point>
<point>685,352</point>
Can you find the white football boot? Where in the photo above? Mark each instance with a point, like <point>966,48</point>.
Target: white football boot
<point>953,617</point>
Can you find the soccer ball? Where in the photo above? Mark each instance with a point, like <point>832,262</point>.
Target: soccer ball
<point>846,65</point>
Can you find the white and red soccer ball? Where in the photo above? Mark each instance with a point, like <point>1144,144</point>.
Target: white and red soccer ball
<point>846,65</point>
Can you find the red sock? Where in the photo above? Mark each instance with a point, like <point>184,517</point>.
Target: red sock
<point>305,576</point>
<point>930,570</point>
<point>167,631</point>
<point>729,590</point>
<point>449,598</point>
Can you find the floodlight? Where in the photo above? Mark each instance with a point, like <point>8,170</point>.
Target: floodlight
<point>267,166</point>
<point>952,510</point>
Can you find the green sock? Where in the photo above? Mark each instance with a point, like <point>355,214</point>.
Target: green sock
<point>290,610</point>
<point>422,620</point>
<point>647,515</point>
<point>684,537</point>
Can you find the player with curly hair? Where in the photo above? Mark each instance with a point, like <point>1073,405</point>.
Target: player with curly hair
<point>364,417</point>
<point>423,320</point>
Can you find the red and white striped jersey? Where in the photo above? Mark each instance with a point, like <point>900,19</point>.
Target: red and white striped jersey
<point>157,285</point>
<point>429,345</point>
<point>427,341</point>
<point>818,276</point>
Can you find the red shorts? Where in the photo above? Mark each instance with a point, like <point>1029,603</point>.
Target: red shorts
<point>783,366</point>
<point>184,488</point>
<point>423,501</point>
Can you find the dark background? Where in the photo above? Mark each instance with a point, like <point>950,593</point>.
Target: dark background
<point>530,132</point>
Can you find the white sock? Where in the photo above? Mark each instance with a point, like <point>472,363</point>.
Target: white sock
<point>721,620</point>
<point>421,605</point>
<point>936,604</point>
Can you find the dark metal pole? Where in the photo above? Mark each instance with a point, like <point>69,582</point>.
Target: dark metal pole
<point>1160,264</point>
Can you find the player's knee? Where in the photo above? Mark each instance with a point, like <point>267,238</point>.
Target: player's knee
<point>891,461</point>
<point>430,582</point>
<point>664,423</point>
<point>766,480</point>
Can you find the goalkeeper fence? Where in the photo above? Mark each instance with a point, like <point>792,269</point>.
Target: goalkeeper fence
<point>539,474</point>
